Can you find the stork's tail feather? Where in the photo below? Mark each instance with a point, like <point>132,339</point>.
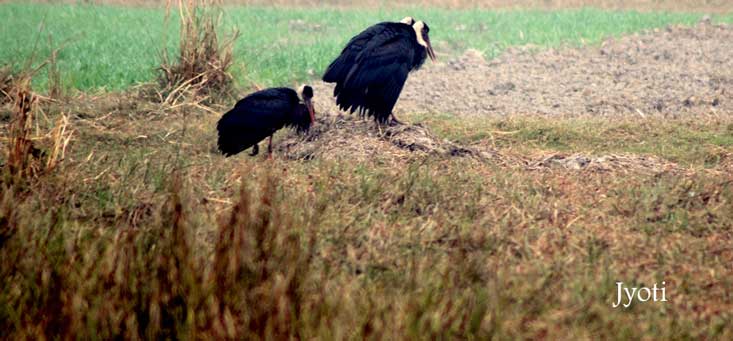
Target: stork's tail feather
<point>351,101</point>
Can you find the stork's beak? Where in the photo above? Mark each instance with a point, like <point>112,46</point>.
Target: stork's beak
<point>431,53</point>
<point>311,111</point>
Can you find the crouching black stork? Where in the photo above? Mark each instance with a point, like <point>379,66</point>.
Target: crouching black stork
<point>261,114</point>
<point>373,67</point>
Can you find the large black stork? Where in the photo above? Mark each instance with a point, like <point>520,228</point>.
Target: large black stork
<point>373,67</point>
<point>261,114</point>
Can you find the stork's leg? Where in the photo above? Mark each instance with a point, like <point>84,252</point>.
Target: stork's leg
<point>394,120</point>
<point>255,150</point>
<point>269,148</point>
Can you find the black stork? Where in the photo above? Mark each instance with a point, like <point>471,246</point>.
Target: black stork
<point>261,114</point>
<point>373,67</point>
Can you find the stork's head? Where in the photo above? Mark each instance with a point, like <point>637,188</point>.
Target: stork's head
<point>305,92</point>
<point>408,20</point>
<point>421,31</point>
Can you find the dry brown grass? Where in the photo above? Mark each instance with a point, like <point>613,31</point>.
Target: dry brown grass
<point>202,66</point>
<point>133,241</point>
<point>25,157</point>
<point>357,231</point>
<point>6,83</point>
<point>20,151</point>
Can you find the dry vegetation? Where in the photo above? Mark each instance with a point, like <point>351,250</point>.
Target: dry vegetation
<point>134,227</point>
<point>6,83</point>
<point>143,231</point>
<point>24,157</point>
<point>203,62</point>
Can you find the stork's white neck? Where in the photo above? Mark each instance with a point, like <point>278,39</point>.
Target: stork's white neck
<point>418,27</point>
<point>300,92</point>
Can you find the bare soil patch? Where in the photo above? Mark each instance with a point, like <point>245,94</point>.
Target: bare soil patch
<point>668,72</point>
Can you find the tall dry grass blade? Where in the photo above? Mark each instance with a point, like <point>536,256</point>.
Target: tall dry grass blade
<point>260,268</point>
<point>60,138</point>
<point>20,146</point>
<point>55,88</point>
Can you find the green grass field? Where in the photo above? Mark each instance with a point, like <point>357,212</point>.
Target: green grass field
<point>115,47</point>
<point>144,231</point>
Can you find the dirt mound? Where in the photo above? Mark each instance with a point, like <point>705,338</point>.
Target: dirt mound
<point>347,136</point>
<point>672,71</point>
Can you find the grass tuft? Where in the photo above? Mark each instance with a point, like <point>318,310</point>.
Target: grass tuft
<point>150,282</point>
<point>203,62</point>
<point>25,159</point>
<point>260,268</point>
<point>21,153</point>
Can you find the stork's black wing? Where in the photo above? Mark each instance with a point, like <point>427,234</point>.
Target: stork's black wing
<point>374,81</point>
<point>254,118</point>
<point>337,70</point>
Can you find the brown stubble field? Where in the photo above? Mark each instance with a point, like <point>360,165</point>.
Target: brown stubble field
<point>522,190</point>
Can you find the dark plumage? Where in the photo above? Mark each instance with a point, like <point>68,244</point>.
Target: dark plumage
<point>373,67</point>
<point>261,114</point>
